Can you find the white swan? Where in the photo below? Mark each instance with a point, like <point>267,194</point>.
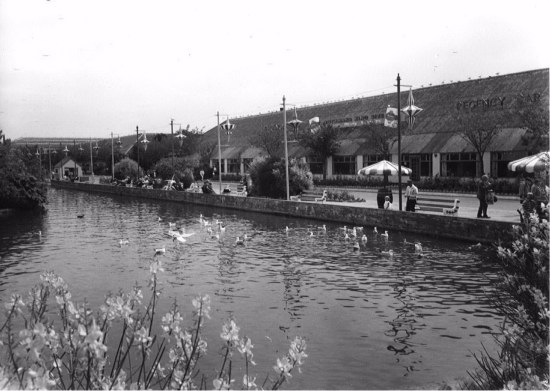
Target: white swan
<point>123,242</point>
<point>417,247</point>
<point>179,239</point>
<point>239,241</point>
<point>346,237</point>
<point>385,235</point>
<point>323,228</point>
<point>356,246</point>
<point>364,238</point>
<point>375,230</point>
<point>389,252</point>
<point>172,225</point>
<point>160,251</point>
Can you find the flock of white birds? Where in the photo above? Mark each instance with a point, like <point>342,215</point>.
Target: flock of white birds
<point>215,229</point>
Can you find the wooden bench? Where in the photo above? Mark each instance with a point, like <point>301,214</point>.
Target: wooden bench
<point>241,190</point>
<point>447,206</point>
<point>311,196</point>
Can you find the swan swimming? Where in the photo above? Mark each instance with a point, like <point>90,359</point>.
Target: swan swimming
<point>239,241</point>
<point>364,238</point>
<point>123,242</point>
<point>179,239</point>
<point>385,235</point>
<point>160,251</point>
<point>375,230</point>
<point>356,246</point>
<point>389,252</point>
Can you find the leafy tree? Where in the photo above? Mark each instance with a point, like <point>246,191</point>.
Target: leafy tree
<point>19,187</point>
<point>126,168</point>
<point>534,116</point>
<point>183,169</point>
<point>268,177</point>
<point>479,129</point>
<point>323,141</point>
<point>269,139</point>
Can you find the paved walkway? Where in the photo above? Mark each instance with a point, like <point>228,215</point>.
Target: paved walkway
<point>505,209</point>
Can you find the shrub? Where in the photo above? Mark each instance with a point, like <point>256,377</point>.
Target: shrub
<point>126,168</point>
<point>268,177</point>
<point>70,351</point>
<point>522,297</point>
<point>19,188</point>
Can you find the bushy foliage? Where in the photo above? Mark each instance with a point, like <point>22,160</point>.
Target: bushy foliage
<point>183,170</point>
<point>268,177</point>
<point>115,347</point>
<point>126,168</point>
<point>522,297</point>
<point>19,188</point>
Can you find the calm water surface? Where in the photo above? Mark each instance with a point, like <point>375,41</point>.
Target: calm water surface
<point>371,321</point>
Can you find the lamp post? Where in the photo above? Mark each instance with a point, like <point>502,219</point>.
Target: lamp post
<point>411,111</point>
<point>37,154</point>
<point>50,162</point>
<point>144,142</point>
<point>228,127</point>
<point>286,150</point>
<point>118,143</point>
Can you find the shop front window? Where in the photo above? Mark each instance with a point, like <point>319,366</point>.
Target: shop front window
<point>315,164</point>
<point>462,164</point>
<point>374,158</point>
<point>344,165</point>
<point>234,166</point>
<point>499,163</point>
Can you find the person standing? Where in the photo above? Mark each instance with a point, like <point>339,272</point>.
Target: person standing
<point>524,188</point>
<point>541,197</point>
<point>411,194</point>
<point>482,190</point>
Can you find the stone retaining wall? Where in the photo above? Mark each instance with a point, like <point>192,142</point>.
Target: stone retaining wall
<point>454,227</point>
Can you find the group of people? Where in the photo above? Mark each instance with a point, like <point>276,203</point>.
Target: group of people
<point>533,196</point>
<point>411,194</point>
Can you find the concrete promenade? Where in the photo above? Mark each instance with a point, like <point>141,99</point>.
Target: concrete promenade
<point>505,209</point>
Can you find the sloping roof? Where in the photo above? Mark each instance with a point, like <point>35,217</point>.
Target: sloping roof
<point>439,103</point>
<point>66,160</point>
<point>251,153</point>
<point>349,147</point>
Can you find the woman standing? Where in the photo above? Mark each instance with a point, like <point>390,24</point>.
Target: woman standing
<point>482,191</point>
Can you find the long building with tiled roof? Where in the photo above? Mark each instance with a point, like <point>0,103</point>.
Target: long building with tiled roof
<point>433,147</point>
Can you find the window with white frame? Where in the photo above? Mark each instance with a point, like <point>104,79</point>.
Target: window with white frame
<point>344,165</point>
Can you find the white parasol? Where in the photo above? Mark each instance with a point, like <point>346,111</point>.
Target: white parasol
<point>531,164</point>
<point>384,168</point>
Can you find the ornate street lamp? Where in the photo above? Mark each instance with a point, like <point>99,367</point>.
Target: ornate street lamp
<point>286,150</point>
<point>228,127</point>
<point>295,123</point>
<point>411,111</point>
<point>118,143</point>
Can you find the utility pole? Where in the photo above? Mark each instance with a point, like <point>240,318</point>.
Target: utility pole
<point>172,130</point>
<point>286,150</point>
<point>137,146</point>
<point>219,153</point>
<point>399,137</point>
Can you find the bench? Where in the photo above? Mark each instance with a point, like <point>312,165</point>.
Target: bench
<point>241,190</point>
<point>311,196</point>
<point>437,204</point>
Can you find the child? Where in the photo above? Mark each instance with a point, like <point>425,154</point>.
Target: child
<point>387,203</point>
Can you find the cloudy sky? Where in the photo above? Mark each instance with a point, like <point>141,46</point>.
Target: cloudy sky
<point>87,68</point>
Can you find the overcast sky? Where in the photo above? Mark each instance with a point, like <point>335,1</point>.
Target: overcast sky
<point>90,67</point>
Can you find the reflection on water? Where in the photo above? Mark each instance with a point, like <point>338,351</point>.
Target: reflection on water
<point>371,320</point>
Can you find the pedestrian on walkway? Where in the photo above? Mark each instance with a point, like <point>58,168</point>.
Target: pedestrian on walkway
<point>524,187</point>
<point>482,194</point>
<point>411,194</point>
<point>387,203</point>
<point>541,197</point>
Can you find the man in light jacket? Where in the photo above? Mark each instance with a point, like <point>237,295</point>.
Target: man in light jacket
<point>411,194</point>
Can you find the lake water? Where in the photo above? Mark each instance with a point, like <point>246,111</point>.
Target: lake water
<point>371,321</point>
